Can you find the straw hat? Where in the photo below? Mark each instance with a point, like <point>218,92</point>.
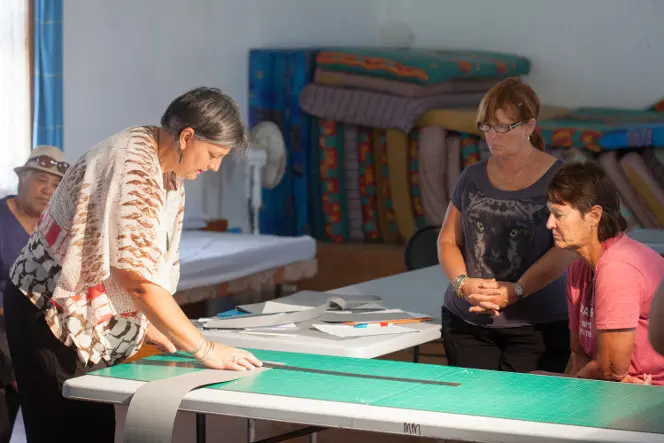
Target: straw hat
<point>39,158</point>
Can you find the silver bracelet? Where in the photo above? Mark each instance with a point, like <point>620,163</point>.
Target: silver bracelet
<point>458,283</point>
<point>208,351</point>
<point>200,345</point>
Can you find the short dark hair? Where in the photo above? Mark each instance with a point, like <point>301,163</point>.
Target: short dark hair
<point>584,185</point>
<point>213,115</point>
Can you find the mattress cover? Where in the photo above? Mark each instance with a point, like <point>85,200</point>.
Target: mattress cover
<point>209,258</point>
<point>422,66</point>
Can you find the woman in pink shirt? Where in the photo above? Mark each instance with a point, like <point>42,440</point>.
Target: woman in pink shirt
<point>611,287</point>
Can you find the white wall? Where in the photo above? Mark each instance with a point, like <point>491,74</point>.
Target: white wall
<point>584,53</point>
<point>125,60</point>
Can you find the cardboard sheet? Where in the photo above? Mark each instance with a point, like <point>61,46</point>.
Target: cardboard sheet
<point>152,409</point>
<point>303,300</point>
<point>297,316</point>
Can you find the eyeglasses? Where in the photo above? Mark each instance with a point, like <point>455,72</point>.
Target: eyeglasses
<point>500,128</point>
<point>47,162</point>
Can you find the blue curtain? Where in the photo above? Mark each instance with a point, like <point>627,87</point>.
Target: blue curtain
<point>276,78</point>
<point>47,123</point>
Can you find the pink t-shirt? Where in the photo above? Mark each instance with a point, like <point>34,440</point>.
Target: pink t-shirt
<point>626,278</point>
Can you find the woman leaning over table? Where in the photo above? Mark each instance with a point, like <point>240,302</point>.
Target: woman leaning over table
<point>97,276</point>
<point>610,287</point>
<point>505,308</point>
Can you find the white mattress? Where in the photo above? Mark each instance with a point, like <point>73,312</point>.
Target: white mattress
<point>209,258</point>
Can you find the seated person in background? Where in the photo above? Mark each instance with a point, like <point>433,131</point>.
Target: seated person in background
<point>611,286</point>
<point>37,180</point>
<point>505,309</point>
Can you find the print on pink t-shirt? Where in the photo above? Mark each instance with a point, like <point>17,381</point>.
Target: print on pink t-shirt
<point>626,278</point>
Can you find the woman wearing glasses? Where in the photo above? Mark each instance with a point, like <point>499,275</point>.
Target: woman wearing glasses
<point>97,275</point>
<point>19,213</point>
<point>505,308</point>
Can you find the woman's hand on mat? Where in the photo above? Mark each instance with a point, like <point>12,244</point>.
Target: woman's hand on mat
<point>227,357</point>
<point>646,380</point>
<point>504,296</point>
<point>154,337</point>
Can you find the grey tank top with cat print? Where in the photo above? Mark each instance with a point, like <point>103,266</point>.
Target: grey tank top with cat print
<point>504,234</point>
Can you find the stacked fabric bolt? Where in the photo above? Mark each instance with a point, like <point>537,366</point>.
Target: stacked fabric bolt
<point>384,171</point>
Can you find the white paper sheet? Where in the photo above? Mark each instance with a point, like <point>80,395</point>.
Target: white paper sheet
<point>346,331</point>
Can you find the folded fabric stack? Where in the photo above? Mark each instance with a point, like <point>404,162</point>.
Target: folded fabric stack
<point>387,160</point>
<point>377,138</point>
<point>629,146</point>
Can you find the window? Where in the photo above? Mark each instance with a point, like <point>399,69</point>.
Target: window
<point>15,96</point>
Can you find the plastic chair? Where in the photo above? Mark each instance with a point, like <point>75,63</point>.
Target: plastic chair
<point>422,248</point>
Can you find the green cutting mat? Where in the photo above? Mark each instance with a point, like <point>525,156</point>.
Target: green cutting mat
<point>483,393</point>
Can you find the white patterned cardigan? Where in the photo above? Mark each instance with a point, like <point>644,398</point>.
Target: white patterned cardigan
<point>111,211</point>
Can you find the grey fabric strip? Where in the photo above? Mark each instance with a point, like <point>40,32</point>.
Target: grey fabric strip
<point>154,406</point>
<point>258,321</point>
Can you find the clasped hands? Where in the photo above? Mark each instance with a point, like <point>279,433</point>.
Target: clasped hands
<point>488,296</point>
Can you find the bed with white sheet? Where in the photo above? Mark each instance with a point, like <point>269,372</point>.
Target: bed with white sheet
<point>214,264</point>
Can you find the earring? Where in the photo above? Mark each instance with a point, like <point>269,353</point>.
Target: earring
<point>181,154</point>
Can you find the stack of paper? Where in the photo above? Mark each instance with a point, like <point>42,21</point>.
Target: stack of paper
<point>347,331</point>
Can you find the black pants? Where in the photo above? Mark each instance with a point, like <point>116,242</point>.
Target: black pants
<point>42,364</point>
<point>542,347</point>
<point>8,395</point>
<point>8,410</point>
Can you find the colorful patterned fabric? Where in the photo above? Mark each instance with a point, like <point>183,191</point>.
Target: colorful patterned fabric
<point>644,184</point>
<point>470,150</point>
<point>111,210</point>
<point>387,220</point>
<point>396,87</point>
<point>585,126</point>
<point>433,170</point>
<point>657,107</point>
<point>276,78</point>
<point>414,178</point>
<point>654,158</point>
<point>422,66</point>
<point>378,110</point>
<point>609,163</point>
<point>635,136</point>
<point>332,178</point>
<point>316,222</point>
<point>367,181</point>
<point>397,159</point>
<point>453,162</point>
<point>351,168</point>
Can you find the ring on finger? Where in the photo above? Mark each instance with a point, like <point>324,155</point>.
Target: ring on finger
<point>236,358</point>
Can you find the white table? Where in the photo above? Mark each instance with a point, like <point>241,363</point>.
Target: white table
<point>418,291</point>
<point>421,291</point>
<point>331,414</point>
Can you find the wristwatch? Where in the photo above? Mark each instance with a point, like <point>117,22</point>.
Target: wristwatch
<point>518,290</point>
